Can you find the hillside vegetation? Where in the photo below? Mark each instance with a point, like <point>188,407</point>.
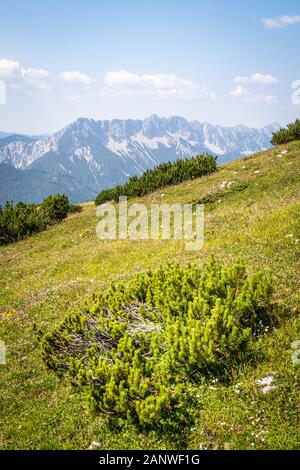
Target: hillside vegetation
<point>140,348</point>
<point>22,220</point>
<point>162,175</point>
<point>287,134</point>
<point>252,213</point>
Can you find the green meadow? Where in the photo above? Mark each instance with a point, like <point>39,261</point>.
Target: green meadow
<point>52,273</point>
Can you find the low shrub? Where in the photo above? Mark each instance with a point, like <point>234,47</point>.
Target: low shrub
<point>287,134</point>
<point>137,349</point>
<point>20,220</point>
<point>74,208</point>
<point>163,175</point>
<point>55,207</point>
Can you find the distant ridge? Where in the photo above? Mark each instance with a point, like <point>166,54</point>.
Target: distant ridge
<point>88,156</point>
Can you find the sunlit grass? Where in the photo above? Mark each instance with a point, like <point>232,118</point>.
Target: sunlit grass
<point>49,274</point>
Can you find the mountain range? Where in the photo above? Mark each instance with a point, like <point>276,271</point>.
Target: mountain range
<point>88,156</point>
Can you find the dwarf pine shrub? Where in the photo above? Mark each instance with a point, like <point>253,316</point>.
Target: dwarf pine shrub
<point>21,220</point>
<point>55,207</point>
<point>140,345</point>
<point>287,134</point>
<point>165,174</point>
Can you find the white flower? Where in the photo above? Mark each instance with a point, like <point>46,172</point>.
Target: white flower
<point>202,446</point>
<point>266,384</point>
<point>266,380</point>
<point>94,445</point>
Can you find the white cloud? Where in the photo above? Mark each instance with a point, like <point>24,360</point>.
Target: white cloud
<point>35,74</point>
<point>246,95</point>
<point>19,77</point>
<point>281,21</point>
<point>124,83</point>
<point>240,92</point>
<point>77,77</point>
<point>257,78</point>
<point>10,70</point>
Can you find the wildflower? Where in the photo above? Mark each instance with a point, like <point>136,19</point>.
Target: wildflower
<point>202,446</point>
<point>266,380</point>
<point>94,445</point>
<point>266,383</point>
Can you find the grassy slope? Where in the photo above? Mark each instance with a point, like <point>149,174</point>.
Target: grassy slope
<point>47,275</point>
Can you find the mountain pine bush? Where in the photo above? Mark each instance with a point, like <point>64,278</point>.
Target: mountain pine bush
<point>139,347</point>
<point>20,220</point>
<point>285,135</point>
<point>165,174</point>
<point>55,207</point>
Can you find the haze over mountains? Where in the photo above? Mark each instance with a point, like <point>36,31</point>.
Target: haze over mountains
<point>88,156</point>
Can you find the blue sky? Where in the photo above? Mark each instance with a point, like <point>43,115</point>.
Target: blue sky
<point>223,61</point>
